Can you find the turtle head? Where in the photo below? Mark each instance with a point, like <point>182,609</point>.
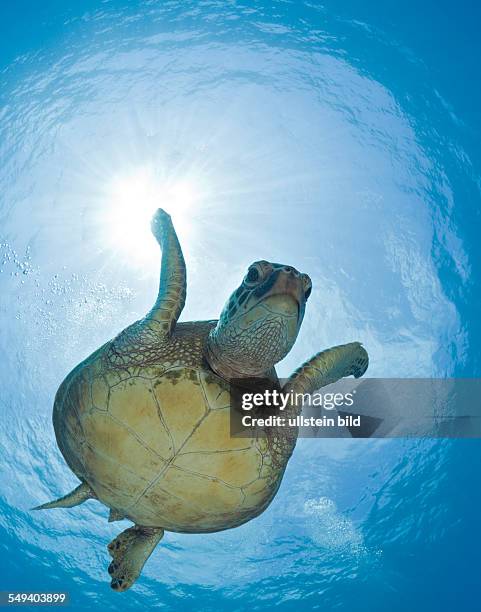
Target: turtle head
<point>260,321</point>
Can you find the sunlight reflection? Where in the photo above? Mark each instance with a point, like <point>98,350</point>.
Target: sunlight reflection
<point>130,202</point>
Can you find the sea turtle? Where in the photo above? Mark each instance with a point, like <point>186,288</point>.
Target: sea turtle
<point>144,421</point>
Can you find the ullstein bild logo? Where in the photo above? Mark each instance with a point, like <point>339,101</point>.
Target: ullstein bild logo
<point>364,408</point>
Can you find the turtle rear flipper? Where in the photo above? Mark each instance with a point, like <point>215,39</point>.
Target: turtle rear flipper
<point>130,550</point>
<point>116,515</point>
<point>76,497</point>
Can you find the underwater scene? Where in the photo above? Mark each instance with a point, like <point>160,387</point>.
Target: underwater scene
<point>339,139</point>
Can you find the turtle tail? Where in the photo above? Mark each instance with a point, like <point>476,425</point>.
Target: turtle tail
<point>80,494</point>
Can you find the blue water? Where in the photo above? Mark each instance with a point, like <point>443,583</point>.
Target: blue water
<point>339,137</point>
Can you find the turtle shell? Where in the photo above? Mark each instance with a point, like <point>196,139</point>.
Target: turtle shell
<point>151,435</point>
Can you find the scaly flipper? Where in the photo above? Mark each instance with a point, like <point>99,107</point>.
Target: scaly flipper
<point>130,550</point>
<point>327,367</point>
<point>116,515</point>
<point>172,290</point>
<point>82,493</point>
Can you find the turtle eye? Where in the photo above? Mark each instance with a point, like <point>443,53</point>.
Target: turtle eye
<point>253,275</point>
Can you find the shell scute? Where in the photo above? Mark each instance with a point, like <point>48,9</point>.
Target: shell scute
<point>99,393</point>
<point>181,404</point>
<point>158,504</point>
<point>213,434</point>
<point>133,404</point>
<point>211,495</point>
<point>105,472</point>
<point>235,468</point>
<point>216,391</point>
<point>114,440</point>
<point>257,492</point>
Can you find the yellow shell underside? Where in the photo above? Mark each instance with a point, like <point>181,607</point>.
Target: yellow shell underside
<point>153,440</point>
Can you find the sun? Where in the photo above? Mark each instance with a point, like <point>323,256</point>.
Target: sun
<point>130,202</point>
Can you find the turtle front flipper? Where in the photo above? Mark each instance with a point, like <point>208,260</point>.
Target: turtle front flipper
<point>130,550</point>
<point>329,366</point>
<point>172,290</point>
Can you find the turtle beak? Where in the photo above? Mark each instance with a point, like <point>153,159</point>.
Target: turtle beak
<point>289,283</point>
